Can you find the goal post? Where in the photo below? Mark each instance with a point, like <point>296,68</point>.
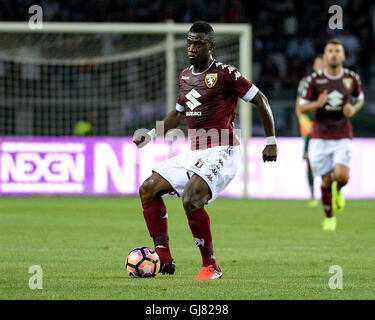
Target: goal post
<point>172,39</point>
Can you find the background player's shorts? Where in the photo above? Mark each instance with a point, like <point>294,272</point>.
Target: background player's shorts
<point>325,154</point>
<point>217,166</point>
<point>306,140</point>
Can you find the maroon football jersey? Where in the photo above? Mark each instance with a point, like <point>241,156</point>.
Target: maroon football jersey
<point>209,100</point>
<point>329,121</point>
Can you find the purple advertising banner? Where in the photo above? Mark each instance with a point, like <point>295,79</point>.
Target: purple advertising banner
<point>115,166</point>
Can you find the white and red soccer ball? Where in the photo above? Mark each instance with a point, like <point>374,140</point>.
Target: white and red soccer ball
<point>142,262</point>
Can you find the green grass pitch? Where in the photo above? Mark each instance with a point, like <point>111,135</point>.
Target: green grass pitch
<point>267,249</point>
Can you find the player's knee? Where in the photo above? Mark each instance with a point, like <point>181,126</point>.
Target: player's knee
<point>342,179</point>
<point>326,181</point>
<point>191,202</point>
<point>147,190</point>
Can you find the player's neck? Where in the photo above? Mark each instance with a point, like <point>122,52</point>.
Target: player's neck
<point>202,67</point>
<point>333,71</point>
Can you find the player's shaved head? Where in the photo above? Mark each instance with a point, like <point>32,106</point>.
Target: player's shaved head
<point>200,43</point>
<point>203,27</point>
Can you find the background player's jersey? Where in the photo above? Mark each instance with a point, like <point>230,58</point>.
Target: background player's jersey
<point>209,100</point>
<point>329,121</point>
<point>301,85</point>
<point>305,120</point>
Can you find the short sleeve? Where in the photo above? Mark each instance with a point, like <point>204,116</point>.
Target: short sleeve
<point>239,85</point>
<point>301,86</point>
<point>309,91</point>
<point>357,88</point>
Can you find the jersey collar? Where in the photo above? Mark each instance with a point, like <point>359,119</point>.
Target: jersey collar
<point>196,73</point>
<point>334,77</point>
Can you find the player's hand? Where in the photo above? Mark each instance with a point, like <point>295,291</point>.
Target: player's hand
<point>348,110</point>
<point>141,139</point>
<point>322,99</point>
<point>270,153</point>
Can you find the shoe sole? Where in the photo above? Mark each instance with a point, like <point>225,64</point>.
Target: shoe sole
<point>217,275</point>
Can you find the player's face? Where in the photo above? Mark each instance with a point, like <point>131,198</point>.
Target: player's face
<point>334,55</point>
<point>198,48</point>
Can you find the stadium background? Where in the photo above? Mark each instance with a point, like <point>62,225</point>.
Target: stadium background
<point>49,87</point>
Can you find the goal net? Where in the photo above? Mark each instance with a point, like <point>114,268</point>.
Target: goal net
<point>94,79</point>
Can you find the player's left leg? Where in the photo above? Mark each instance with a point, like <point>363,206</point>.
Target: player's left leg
<point>196,194</point>
<point>341,178</point>
<point>341,159</point>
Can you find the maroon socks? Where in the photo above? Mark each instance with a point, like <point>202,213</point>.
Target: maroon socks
<point>199,223</point>
<point>327,201</point>
<point>156,216</point>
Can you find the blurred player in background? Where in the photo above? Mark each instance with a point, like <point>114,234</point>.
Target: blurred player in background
<point>207,99</point>
<point>306,124</point>
<point>335,95</point>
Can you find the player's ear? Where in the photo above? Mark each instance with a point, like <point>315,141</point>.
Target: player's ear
<point>212,45</point>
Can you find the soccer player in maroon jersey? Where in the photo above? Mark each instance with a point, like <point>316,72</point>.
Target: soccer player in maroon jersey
<point>335,95</point>
<point>207,99</point>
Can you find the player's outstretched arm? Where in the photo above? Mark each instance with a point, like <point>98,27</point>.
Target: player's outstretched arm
<point>171,121</point>
<point>265,113</point>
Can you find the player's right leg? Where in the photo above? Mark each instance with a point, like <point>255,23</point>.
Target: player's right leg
<point>321,163</point>
<point>156,217</point>
<point>329,222</point>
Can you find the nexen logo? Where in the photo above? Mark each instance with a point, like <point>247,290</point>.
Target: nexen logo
<point>38,167</point>
<point>33,167</point>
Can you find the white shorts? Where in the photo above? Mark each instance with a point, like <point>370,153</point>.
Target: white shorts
<point>325,154</point>
<point>217,166</point>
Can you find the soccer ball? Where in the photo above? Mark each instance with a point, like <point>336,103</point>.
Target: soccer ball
<point>142,262</point>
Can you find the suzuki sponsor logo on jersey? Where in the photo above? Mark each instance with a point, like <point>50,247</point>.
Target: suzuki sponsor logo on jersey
<point>210,79</point>
<point>192,103</point>
<point>193,113</point>
<point>321,81</point>
<point>192,96</point>
<point>335,101</point>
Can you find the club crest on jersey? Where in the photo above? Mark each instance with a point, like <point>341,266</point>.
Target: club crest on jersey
<point>347,82</point>
<point>210,79</point>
